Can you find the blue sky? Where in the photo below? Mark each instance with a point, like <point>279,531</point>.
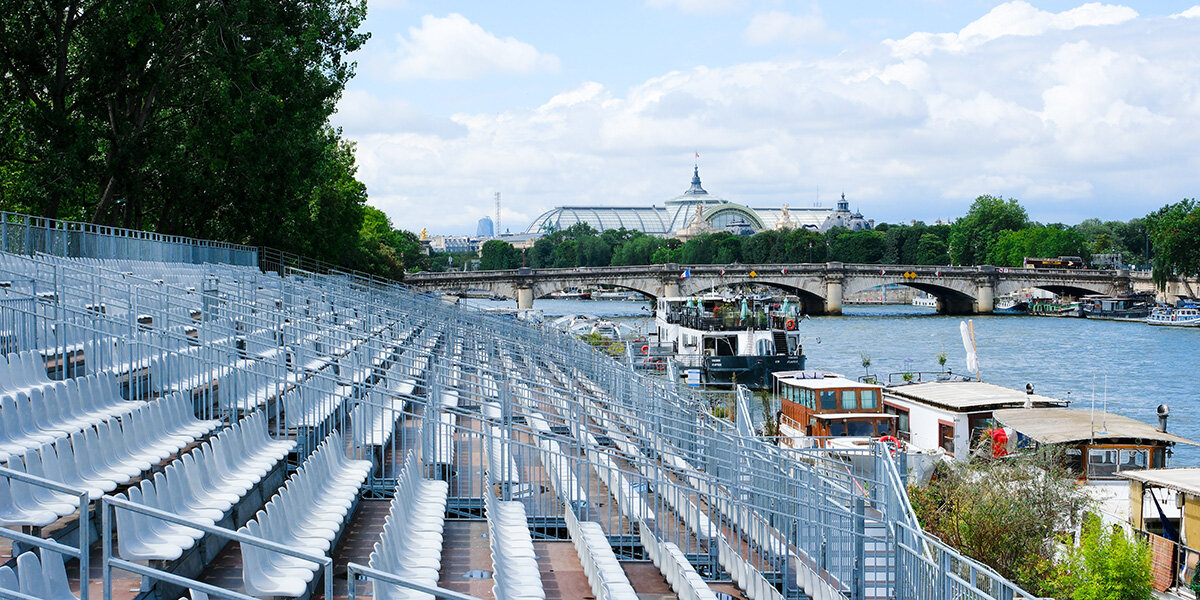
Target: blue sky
<point>910,108</point>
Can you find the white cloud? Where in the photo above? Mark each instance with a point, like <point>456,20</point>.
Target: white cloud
<point>362,112</point>
<point>452,47</point>
<point>778,26</point>
<point>696,6</point>
<point>1089,121</point>
<point>1016,18</point>
<point>1191,13</point>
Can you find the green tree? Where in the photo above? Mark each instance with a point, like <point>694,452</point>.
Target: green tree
<point>1106,565</point>
<point>1011,247</point>
<point>864,246</point>
<point>1007,514</point>
<point>202,118</point>
<point>497,254</point>
<point>972,236</point>
<point>566,255</point>
<point>931,250</point>
<point>637,251</point>
<point>1174,230</point>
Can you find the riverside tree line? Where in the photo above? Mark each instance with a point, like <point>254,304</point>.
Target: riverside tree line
<point>994,231</point>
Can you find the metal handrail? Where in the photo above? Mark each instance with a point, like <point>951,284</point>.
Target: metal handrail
<point>355,570</point>
<point>81,552</point>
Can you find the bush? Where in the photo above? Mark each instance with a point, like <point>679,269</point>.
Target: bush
<point>1106,565</point>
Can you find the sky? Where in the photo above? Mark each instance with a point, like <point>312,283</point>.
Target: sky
<point>911,108</point>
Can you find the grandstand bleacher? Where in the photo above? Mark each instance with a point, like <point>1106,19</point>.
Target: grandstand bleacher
<point>196,420</point>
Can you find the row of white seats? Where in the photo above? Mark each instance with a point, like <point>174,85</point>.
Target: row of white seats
<point>675,567</point>
<point>255,384</point>
<point>22,371</point>
<point>604,573</point>
<point>410,545</point>
<point>98,460</point>
<point>307,514</point>
<point>39,416</point>
<point>443,449</point>
<point>192,368</point>
<point>201,485</point>
<point>311,403</point>
<point>554,461</point>
<point>373,420</point>
<point>44,578</point>
<point>744,574</point>
<point>514,563</point>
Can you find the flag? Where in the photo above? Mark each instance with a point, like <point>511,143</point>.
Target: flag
<point>685,274</point>
<point>697,155</point>
<point>783,271</point>
<point>722,271</point>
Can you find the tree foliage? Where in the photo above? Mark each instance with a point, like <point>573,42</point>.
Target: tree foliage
<point>207,118</point>
<point>1175,233</point>
<point>1005,513</point>
<point>1105,565</point>
<point>496,254</point>
<point>974,235</point>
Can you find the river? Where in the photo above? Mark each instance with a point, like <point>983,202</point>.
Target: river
<point>1130,368</point>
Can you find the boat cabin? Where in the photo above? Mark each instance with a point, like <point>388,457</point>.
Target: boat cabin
<point>952,414</point>
<point>817,404</point>
<point>1099,445</point>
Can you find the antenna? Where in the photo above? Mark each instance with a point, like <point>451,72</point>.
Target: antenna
<point>498,230</point>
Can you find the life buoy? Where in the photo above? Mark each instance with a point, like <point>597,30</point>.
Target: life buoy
<point>646,349</point>
<point>790,324</point>
<point>891,441</point>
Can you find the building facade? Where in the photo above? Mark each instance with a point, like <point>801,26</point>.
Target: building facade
<point>677,217</point>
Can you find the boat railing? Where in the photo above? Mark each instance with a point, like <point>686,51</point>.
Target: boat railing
<point>903,377</point>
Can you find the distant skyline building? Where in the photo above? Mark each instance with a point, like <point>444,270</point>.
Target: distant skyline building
<point>678,216</point>
<point>485,228</point>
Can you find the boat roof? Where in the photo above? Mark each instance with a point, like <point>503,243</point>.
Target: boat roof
<point>964,396</point>
<point>1060,425</point>
<point>1182,479</point>
<point>816,380</point>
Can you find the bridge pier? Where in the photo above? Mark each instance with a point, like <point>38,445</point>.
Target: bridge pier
<point>985,295</point>
<point>670,289</point>
<point>524,297</point>
<point>833,291</point>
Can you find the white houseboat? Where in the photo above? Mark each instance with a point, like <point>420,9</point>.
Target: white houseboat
<point>731,339</point>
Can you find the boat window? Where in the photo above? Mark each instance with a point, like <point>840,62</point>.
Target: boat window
<point>1074,460</point>
<point>1102,462</point>
<point>765,348</point>
<point>860,428</point>
<point>1133,459</point>
<point>868,399</point>
<point>837,429</point>
<point>1160,458</point>
<point>883,427</point>
<point>946,437</point>
<point>829,400</point>
<point>849,400</point>
<point>902,421</point>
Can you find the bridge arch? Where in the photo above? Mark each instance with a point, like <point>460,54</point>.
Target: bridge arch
<point>952,299</point>
<point>543,290</point>
<point>811,303</point>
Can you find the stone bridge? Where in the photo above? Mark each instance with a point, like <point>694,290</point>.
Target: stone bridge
<point>820,287</point>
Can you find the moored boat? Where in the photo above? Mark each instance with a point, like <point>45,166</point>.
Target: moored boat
<point>732,340</point>
<point>1134,307</point>
<point>1184,314</point>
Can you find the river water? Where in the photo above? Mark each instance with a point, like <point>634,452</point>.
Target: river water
<point>1130,368</point>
